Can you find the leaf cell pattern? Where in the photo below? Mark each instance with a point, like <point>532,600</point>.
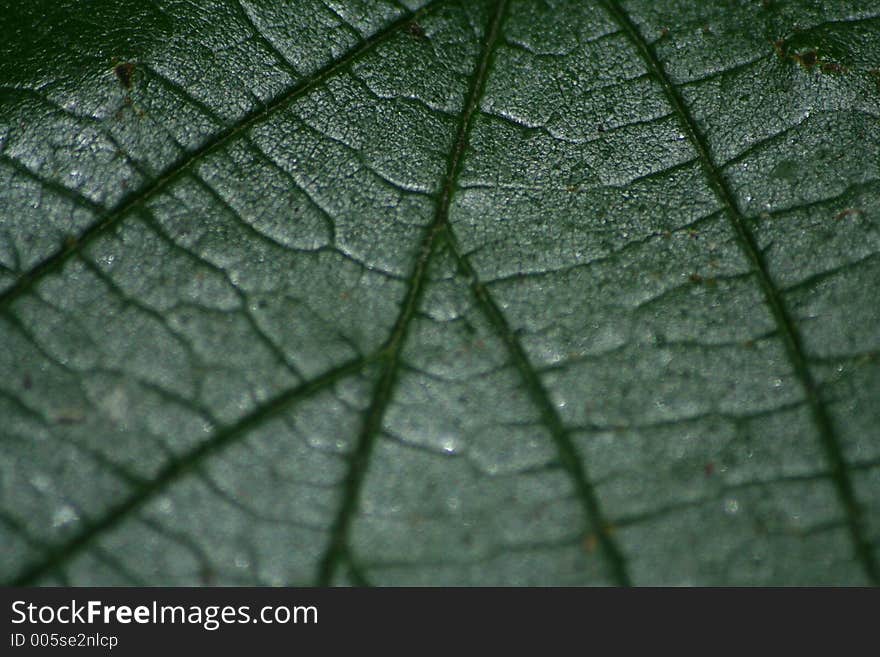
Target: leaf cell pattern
<point>447,292</point>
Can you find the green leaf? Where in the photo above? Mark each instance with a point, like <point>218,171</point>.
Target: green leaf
<point>449,292</point>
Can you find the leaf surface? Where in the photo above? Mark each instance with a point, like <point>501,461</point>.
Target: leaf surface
<point>487,292</point>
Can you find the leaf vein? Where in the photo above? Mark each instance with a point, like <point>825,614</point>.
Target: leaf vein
<point>174,470</point>
<point>110,218</point>
<point>337,551</point>
<point>569,456</point>
<point>789,333</point>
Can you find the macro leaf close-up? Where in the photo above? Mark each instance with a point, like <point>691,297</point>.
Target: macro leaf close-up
<point>447,292</point>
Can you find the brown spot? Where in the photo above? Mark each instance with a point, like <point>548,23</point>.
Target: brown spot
<point>709,469</point>
<point>416,30</point>
<point>667,234</point>
<point>806,59</point>
<point>695,278</point>
<point>848,212</point>
<point>69,242</point>
<point>344,296</point>
<point>706,29</point>
<point>591,542</point>
<point>780,47</point>
<point>26,382</point>
<point>664,32</point>
<point>834,67</point>
<point>124,73</point>
<point>573,188</point>
<point>749,344</point>
<point>693,234</point>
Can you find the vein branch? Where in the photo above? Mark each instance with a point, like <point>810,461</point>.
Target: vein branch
<point>788,331</point>
<point>173,471</point>
<point>337,550</point>
<point>109,219</point>
<point>569,456</point>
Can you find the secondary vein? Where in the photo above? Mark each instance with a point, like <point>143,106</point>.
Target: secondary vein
<point>112,217</point>
<point>58,555</point>
<point>569,456</point>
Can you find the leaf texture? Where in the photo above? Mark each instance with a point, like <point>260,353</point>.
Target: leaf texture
<point>516,292</point>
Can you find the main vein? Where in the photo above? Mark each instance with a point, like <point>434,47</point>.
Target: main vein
<point>337,549</point>
<point>115,215</point>
<point>787,329</point>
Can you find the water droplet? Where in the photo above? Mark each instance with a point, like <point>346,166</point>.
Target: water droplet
<point>41,482</point>
<point>449,445</point>
<point>64,515</point>
<point>731,506</point>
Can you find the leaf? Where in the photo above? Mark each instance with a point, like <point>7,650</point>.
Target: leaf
<point>477,292</point>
